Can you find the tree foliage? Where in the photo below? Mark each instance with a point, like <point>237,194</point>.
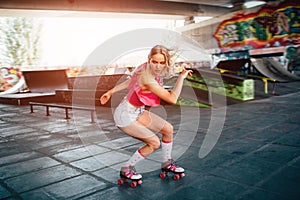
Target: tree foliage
<point>20,41</point>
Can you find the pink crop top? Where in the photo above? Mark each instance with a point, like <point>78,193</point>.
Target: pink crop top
<point>138,97</point>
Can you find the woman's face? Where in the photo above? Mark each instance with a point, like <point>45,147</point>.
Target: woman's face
<point>157,63</point>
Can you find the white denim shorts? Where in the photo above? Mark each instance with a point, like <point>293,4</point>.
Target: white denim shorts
<point>126,113</point>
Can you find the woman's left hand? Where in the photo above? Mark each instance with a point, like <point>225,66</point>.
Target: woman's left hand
<point>186,72</point>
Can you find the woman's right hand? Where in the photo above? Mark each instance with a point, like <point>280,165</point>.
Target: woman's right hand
<point>105,97</point>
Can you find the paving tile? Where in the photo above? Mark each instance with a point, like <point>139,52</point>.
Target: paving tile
<point>80,153</point>
<point>88,164</point>
<point>191,193</point>
<point>191,161</point>
<point>41,123</point>
<point>112,157</point>
<point>87,127</point>
<point>201,186</point>
<point>111,173</point>
<point>255,157</point>
<point>248,171</point>
<point>280,154</point>
<point>67,189</point>
<point>4,193</point>
<point>291,139</point>
<point>3,140</point>
<point>23,136</point>
<point>54,126</point>
<point>41,178</point>
<point>11,147</point>
<point>240,146</point>
<point>45,141</point>
<point>184,188</point>
<point>92,137</point>
<point>285,182</point>
<point>59,148</point>
<point>119,143</point>
<point>222,187</point>
<point>23,167</point>
<point>15,130</point>
<point>296,163</point>
<point>114,193</point>
<point>294,117</point>
<point>18,157</point>
<point>265,135</point>
<point>284,127</point>
<point>234,132</point>
<point>258,194</point>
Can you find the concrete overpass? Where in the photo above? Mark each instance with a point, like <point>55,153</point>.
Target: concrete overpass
<point>177,9</point>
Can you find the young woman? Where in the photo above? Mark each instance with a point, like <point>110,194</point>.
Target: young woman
<point>130,116</point>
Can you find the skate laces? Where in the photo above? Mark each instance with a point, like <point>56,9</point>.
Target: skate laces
<point>171,165</point>
<point>129,171</point>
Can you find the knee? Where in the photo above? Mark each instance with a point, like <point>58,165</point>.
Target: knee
<point>154,143</point>
<point>168,129</point>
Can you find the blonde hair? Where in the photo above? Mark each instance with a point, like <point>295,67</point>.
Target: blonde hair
<point>160,49</point>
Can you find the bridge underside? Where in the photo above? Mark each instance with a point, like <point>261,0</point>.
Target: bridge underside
<point>172,9</point>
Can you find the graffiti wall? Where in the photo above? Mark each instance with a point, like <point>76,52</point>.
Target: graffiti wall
<point>9,77</point>
<point>269,27</point>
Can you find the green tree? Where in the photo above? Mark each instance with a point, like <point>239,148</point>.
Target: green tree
<point>20,41</point>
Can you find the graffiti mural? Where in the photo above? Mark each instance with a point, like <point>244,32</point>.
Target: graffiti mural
<point>9,77</point>
<point>269,27</point>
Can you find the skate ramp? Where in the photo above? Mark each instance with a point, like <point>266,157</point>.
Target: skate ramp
<point>16,88</point>
<point>45,81</point>
<point>273,69</point>
<point>232,65</point>
<point>11,79</point>
<point>41,84</point>
<point>280,69</point>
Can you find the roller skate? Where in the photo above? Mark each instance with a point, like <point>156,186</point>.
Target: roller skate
<point>129,175</point>
<point>170,166</point>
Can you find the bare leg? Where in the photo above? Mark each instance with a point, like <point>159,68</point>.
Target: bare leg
<point>144,128</point>
<point>142,133</point>
<point>157,124</point>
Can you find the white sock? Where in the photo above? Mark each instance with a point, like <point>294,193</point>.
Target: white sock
<point>166,150</point>
<point>135,158</point>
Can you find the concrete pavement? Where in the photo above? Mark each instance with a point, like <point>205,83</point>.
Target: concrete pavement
<point>256,156</point>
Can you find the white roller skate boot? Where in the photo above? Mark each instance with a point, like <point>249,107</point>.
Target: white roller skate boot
<point>129,175</point>
<point>170,166</point>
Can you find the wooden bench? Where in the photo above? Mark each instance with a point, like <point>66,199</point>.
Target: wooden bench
<point>64,106</point>
<point>87,90</point>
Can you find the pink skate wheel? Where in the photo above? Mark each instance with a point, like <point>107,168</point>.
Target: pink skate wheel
<point>133,184</point>
<point>162,175</point>
<point>182,175</point>
<point>140,182</point>
<point>120,182</point>
<point>176,177</point>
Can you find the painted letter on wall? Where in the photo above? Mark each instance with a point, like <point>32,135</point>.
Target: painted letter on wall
<point>269,27</point>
